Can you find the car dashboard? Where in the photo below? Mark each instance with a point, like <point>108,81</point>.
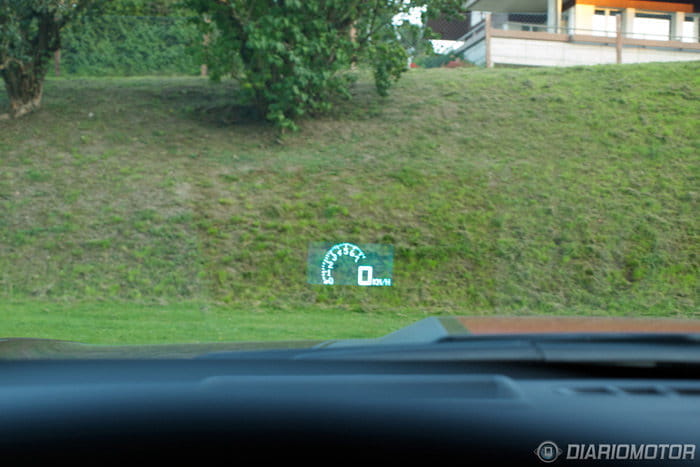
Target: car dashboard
<point>261,406</point>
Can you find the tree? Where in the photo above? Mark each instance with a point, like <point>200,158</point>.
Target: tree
<point>289,55</point>
<point>415,39</point>
<point>29,34</point>
<point>143,7</point>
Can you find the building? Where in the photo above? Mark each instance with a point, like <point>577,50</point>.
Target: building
<point>575,32</point>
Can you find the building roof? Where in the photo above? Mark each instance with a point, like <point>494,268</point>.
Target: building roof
<point>449,29</point>
<point>507,6</point>
<point>540,6</point>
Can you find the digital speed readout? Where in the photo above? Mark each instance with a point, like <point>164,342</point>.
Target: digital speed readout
<point>350,264</point>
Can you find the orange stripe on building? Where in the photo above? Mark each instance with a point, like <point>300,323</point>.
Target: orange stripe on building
<point>639,5</point>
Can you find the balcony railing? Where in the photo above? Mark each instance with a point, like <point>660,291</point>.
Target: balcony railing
<point>519,26</point>
<point>485,31</point>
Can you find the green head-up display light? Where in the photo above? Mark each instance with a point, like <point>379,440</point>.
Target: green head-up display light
<point>365,265</point>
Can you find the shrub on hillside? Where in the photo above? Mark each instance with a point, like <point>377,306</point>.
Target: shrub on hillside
<point>440,60</point>
<point>130,45</point>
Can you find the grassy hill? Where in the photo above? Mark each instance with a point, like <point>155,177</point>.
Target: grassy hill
<point>561,191</point>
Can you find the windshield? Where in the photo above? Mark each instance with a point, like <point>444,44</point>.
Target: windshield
<point>223,171</point>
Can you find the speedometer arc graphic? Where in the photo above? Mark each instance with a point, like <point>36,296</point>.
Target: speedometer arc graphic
<point>333,254</point>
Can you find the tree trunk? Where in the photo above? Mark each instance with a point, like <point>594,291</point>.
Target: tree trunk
<point>57,62</point>
<point>24,79</point>
<point>24,89</point>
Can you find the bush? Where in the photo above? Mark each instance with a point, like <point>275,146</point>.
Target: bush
<point>131,45</point>
<point>440,60</point>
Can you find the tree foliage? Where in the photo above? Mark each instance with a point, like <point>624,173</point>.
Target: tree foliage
<point>29,34</point>
<point>142,8</point>
<point>289,55</point>
<point>415,39</point>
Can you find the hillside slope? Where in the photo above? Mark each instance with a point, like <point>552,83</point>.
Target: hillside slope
<point>507,190</point>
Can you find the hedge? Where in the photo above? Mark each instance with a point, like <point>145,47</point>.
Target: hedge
<point>131,45</point>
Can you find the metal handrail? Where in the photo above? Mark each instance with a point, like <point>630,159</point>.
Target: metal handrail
<point>537,27</point>
<point>478,27</point>
<point>478,32</point>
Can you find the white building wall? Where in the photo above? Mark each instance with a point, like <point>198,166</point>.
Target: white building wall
<point>645,55</point>
<point>477,17</point>
<point>676,29</point>
<point>476,54</point>
<point>548,53</point>
<point>691,29</point>
<point>583,18</point>
<point>628,22</point>
<point>507,51</point>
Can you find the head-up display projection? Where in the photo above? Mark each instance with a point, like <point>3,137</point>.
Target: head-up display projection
<point>344,263</point>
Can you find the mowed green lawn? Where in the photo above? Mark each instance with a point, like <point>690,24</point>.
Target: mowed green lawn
<point>135,323</point>
<point>139,210</point>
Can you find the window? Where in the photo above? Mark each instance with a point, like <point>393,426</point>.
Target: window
<point>690,32</point>
<point>652,26</point>
<point>605,22</point>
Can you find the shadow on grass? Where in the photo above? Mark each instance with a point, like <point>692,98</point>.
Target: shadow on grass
<point>180,98</point>
<point>227,114</point>
<point>216,104</point>
<point>4,105</point>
